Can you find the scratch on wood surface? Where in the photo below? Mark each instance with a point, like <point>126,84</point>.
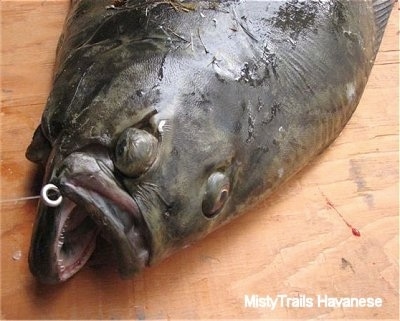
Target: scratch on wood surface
<point>356,175</point>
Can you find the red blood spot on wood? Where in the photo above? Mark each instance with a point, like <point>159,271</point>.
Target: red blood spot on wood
<point>355,231</point>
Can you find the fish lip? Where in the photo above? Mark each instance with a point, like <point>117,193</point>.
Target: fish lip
<point>89,184</point>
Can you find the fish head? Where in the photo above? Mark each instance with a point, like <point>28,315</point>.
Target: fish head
<point>155,192</point>
<point>148,185</point>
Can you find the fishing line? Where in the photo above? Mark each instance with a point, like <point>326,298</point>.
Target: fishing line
<point>20,199</point>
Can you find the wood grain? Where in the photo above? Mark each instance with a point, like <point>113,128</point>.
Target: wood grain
<point>294,243</point>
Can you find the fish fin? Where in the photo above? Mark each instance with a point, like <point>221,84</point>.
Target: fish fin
<point>39,149</point>
<point>382,10</point>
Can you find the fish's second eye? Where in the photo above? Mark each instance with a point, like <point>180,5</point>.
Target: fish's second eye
<point>135,152</point>
<point>216,195</point>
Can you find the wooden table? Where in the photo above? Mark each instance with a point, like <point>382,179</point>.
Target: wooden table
<point>293,244</point>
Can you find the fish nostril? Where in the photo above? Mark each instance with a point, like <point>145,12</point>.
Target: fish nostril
<point>51,195</point>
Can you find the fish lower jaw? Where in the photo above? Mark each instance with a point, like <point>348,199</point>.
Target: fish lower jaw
<point>68,267</point>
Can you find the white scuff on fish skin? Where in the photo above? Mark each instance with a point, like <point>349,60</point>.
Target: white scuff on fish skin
<point>350,92</point>
<point>161,125</point>
<point>281,171</point>
<point>227,68</point>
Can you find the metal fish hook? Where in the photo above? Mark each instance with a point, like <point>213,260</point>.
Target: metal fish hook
<point>46,197</point>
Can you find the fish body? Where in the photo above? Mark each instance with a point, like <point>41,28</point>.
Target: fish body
<point>167,119</point>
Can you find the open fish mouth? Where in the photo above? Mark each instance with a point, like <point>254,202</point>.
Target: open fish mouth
<point>93,204</point>
<point>76,239</point>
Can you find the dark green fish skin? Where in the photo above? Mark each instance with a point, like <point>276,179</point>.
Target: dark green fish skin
<point>168,119</point>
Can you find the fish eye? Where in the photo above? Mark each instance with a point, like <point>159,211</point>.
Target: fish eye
<point>135,151</point>
<point>216,195</point>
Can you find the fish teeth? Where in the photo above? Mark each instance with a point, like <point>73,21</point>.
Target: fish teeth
<point>60,264</point>
<point>61,239</point>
